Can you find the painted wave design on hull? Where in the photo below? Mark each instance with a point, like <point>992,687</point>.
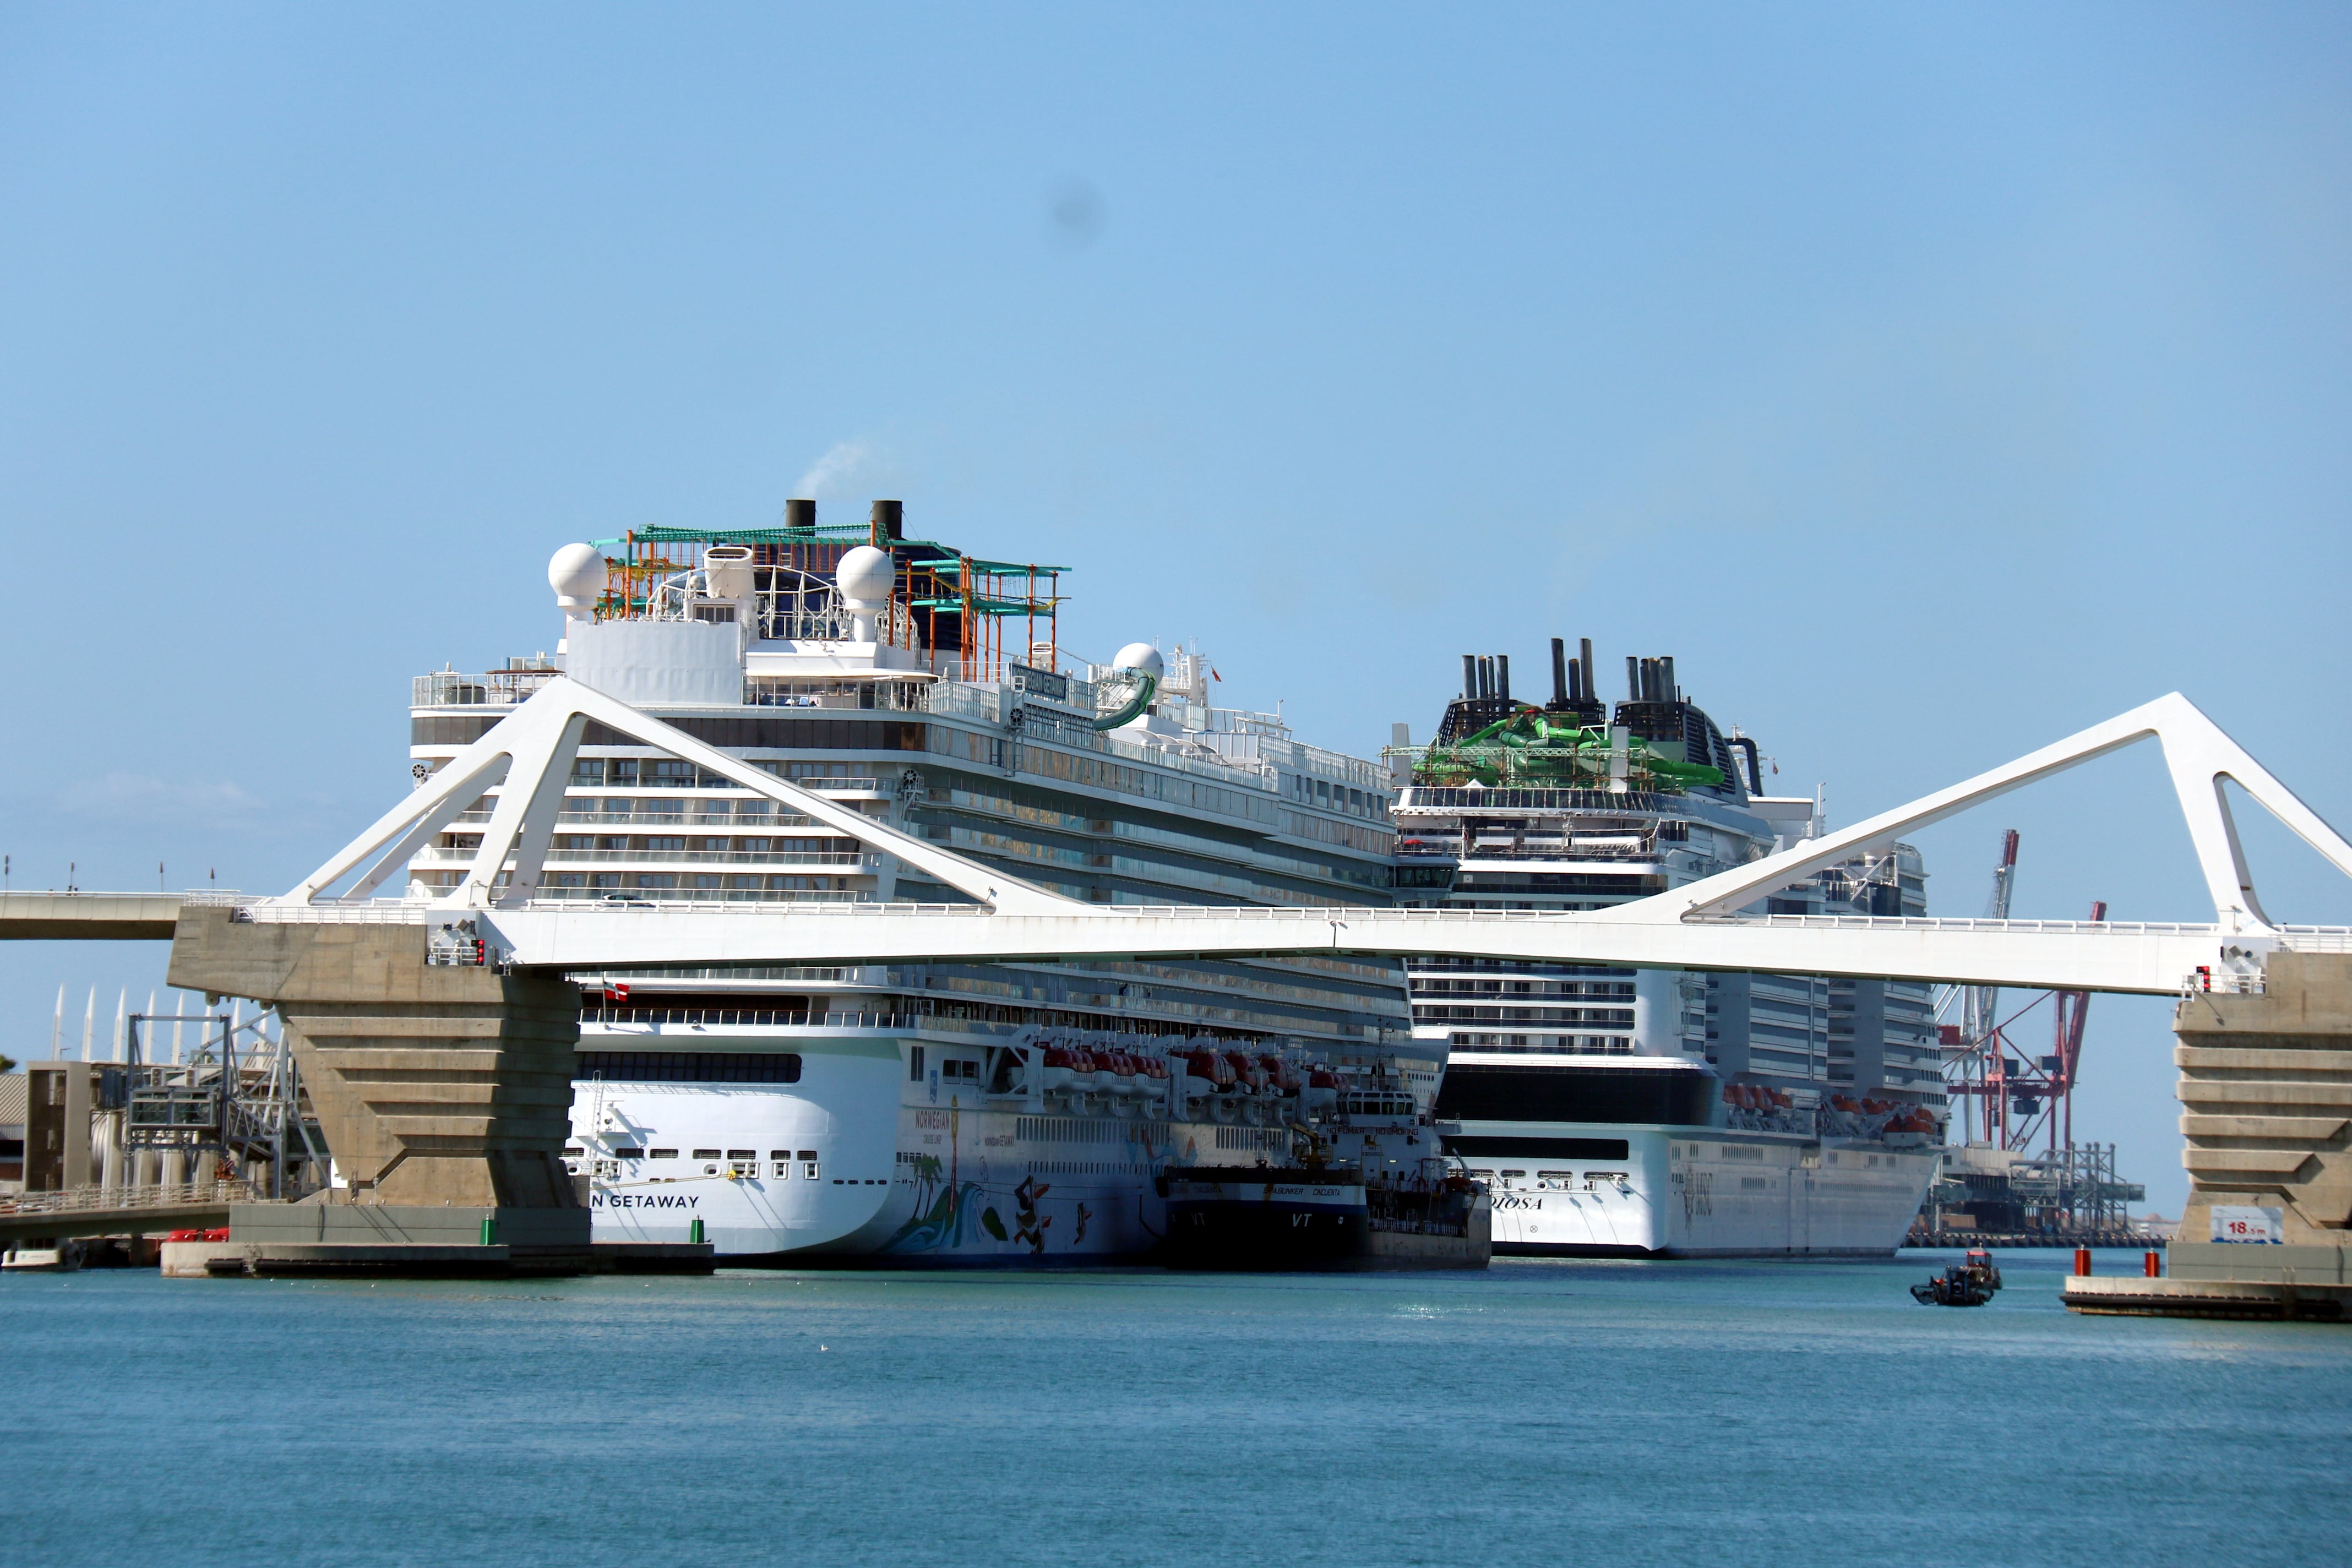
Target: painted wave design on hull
<point>953,1217</point>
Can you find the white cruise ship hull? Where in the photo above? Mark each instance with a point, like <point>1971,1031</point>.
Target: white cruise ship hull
<point>877,1169</point>
<point>1696,1192</point>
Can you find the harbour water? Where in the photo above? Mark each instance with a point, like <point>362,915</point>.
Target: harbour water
<point>1544,1412</point>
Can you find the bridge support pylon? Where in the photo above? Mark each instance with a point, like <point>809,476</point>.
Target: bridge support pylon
<point>2266,1106</point>
<point>444,1093</point>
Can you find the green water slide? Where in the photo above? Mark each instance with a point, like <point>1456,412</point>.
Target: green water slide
<point>1533,747</point>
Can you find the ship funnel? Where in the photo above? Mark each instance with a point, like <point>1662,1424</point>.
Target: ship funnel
<point>890,521</point>
<point>1560,672</point>
<point>1469,676</point>
<point>800,516</point>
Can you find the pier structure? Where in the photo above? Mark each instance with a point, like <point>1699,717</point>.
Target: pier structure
<point>2266,1103</point>
<point>436,1033</point>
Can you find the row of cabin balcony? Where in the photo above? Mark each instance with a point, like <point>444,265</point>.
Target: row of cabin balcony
<point>1248,749</point>
<point>461,854</point>
<point>670,887</point>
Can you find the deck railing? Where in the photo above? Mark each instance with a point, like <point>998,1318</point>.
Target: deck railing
<point>88,1200</point>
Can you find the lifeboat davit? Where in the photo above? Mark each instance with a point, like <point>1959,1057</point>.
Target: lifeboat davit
<point>1119,1073</point>
<point>1205,1072</point>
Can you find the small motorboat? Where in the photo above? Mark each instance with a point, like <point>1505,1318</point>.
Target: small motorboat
<point>1971,1282</point>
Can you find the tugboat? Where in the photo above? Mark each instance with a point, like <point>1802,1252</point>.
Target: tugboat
<point>1971,1282</point>
<point>1314,1212</point>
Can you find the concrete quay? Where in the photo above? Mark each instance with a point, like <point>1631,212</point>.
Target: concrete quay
<point>2123,1295</point>
<point>410,1242</point>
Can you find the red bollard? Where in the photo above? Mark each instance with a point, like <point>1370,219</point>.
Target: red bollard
<point>2083,1260</point>
<point>2154,1264</point>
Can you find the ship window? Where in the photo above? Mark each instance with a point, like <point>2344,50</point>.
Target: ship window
<point>742,1153</point>
<point>780,1153</point>
<point>783,1170</point>
<point>627,1154</point>
<point>1556,1175</point>
<point>915,1064</point>
<point>808,1153</point>
<point>574,1153</point>
<point>663,1154</point>
<point>1515,1173</point>
<point>706,1153</point>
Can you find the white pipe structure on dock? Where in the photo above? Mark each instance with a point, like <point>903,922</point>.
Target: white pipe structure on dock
<point>530,754</point>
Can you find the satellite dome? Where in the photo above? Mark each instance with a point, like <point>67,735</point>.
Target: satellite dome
<point>577,575</point>
<point>1140,656</point>
<point>865,576</point>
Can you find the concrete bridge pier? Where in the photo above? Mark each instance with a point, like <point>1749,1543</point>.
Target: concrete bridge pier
<point>444,1092</point>
<point>2266,1097</point>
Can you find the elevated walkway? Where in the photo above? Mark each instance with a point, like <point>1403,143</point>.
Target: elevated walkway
<point>120,1211</point>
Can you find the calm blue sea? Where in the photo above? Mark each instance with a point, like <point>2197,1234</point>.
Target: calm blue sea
<point>1541,1413</point>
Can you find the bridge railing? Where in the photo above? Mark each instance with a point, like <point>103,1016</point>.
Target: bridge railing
<point>87,1200</point>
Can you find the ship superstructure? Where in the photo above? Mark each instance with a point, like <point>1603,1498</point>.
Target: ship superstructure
<point>966,1111</point>
<point>1654,1112</point>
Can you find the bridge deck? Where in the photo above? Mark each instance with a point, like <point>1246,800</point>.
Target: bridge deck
<point>89,917</point>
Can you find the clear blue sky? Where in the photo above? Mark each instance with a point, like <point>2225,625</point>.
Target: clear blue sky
<point>1930,381</point>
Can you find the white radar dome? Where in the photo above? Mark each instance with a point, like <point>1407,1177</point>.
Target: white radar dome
<point>1140,656</point>
<point>577,575</point>
<point>865,575</point>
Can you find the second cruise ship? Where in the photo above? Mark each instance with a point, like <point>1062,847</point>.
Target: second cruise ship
<point>1653,1112</point>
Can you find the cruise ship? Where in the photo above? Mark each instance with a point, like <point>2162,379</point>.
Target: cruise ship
<point>989,1113</point>
<point>1625,1112</point>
